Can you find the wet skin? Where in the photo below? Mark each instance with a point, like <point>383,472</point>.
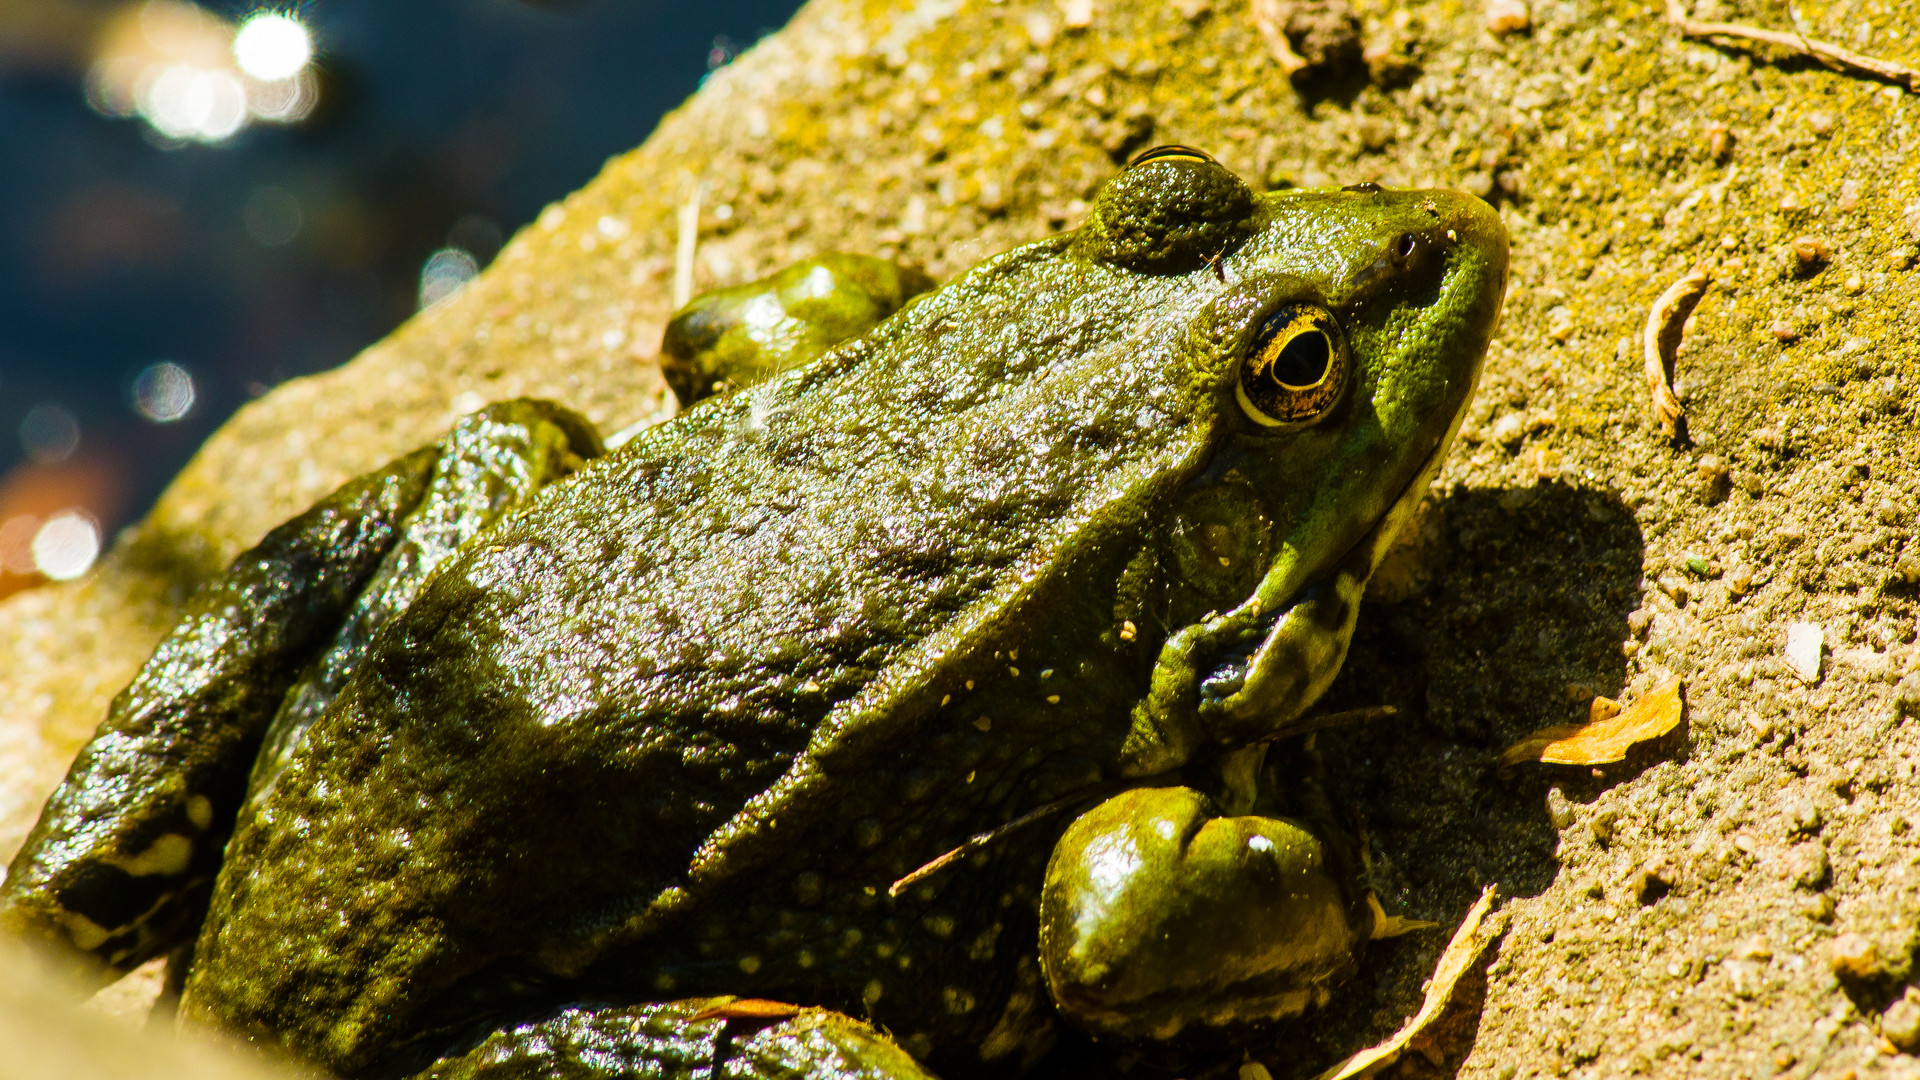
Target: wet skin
<point>514,756</point>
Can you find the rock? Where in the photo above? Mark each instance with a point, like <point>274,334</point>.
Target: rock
<point>1854,958</point>
<point>1803,817</point>
<point>1805,648</point>
<point>1507,16</point>
<point>1906,694</point>
<point>1900,1023</point>
<point>1602,826</point>
<point>1649,883</point>
<point>1560,809</point>
<point>1812,869</point>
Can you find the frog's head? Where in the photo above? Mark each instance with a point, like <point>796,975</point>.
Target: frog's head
<point>1335,359</point>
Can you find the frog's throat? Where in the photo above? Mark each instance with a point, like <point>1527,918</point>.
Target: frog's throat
<point>1230,679</point>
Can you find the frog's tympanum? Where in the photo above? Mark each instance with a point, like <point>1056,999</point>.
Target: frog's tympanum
<point>517,758</point>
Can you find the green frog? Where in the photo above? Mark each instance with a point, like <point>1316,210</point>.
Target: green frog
<point>876,718</point>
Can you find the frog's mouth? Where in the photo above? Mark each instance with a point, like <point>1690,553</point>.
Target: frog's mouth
<point>1240,676</point>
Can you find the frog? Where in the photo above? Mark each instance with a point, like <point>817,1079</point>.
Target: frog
<point>934,687</point>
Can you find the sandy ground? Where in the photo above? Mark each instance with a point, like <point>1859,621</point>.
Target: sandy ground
<point>1736,900</point>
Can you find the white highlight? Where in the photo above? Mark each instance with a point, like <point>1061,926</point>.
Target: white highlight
<point>272,46</point>
<point>66,545</point>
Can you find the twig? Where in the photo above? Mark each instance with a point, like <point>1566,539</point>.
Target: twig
<point>1798,44</point>
<point>1664,322</point>
<point>688,219</point>
<point>980,840</point>
<point>1271,21</point>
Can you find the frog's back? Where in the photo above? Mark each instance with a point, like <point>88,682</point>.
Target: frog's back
<point>779,583</point>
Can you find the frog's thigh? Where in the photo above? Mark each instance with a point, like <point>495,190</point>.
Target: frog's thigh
<point>123,857</point>
<point>663,1041</point>
<point>1157,915</point>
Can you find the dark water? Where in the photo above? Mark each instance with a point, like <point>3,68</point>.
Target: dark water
<point>442,122</point>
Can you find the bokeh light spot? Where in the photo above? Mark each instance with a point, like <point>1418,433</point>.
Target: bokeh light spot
<point>197,104</point>
<point>273,216</point>
<point>66,545</point>
<point>445,272</point>
<point>163,392</point>
<point>272,46</point>
<point>49,434</point>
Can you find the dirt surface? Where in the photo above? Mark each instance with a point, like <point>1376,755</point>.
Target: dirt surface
<point>1737,900</point>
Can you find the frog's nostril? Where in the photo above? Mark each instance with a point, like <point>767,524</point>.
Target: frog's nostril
<point>1403,247</point>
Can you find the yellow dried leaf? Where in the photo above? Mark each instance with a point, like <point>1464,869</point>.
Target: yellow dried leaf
<point>1608,733</point>
<point>747,1009</point>
<point>1455,962</point>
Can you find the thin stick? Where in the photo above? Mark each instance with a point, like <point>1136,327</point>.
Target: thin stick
<point>1798,44</point>
<point>980,840</point>
<point>1664,322</point>
<point>688,242</point>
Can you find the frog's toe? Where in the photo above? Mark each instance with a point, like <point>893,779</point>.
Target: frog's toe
<point>1158,915</point>
<point>681,1039</point>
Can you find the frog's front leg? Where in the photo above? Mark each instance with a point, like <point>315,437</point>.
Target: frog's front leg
<point>123,857</point>
<point>1158,914</point>
<point>682,1040</point>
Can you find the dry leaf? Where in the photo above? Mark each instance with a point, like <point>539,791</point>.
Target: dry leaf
<point>1459,956</point>
<point>747,1009</point>
<point>1607,734</point>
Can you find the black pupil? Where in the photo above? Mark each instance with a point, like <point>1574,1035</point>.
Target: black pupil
<point>1404,246</point>
<point>1303,361</point>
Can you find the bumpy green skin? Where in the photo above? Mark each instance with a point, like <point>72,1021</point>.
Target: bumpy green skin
<point>674,728</point>
<point>749,333</point>
<point>666,1042</point>
<point>123,858</point>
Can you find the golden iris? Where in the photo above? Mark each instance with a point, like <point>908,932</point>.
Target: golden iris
<point>1295,368</point>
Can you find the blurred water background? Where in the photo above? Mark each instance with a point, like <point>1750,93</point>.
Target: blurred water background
<point>200,200</point>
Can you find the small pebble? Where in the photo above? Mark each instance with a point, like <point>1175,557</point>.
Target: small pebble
<point>1805,644</point>
<point>1805,816</point>
<point>1508,16</point>
<point>1822,122</point>
<point>1719,142</point>
<point>1811,250</point>
<point>1784,332</point>
<point>1813,869</point>
<point>1076,14</point>
<point>1603,825</point>
<point>1854,956</point>
<point>1650,883</point>
<point>1560,809</point>
<point>1509,429</point>
<point>1715,479</point>
<point>1901,1022</point>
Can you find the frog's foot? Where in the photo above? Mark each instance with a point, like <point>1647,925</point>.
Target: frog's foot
<point>1158,915</point>
<point>121,863</point>
<point>684,1039</point>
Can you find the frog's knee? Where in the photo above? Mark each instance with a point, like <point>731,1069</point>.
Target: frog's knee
<point>735,337</point>
<point>1157,915</point>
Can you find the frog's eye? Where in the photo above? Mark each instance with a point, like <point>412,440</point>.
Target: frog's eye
<point>1294,369</point>
<point>1172,152</point>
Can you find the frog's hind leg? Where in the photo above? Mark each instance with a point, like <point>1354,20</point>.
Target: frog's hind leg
<point>682,1040</point>
<point>121,862</point>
